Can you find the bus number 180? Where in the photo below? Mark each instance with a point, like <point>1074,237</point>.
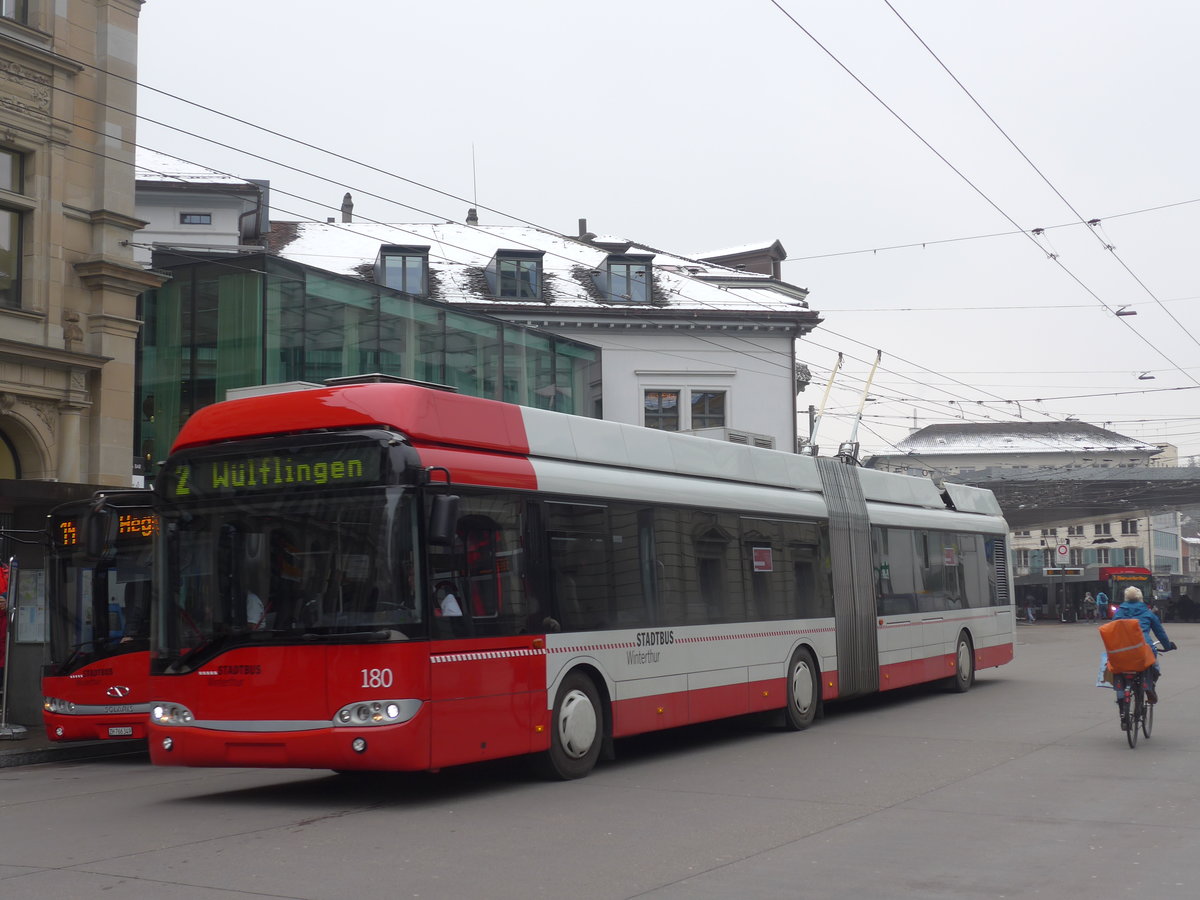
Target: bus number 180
<point>376,678</point>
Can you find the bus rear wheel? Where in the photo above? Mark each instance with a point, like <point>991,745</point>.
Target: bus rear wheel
<point>576,729</point>
<point>803,690</point>
<point>964,665</point>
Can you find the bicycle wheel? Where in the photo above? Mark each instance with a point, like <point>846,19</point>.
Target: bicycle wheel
<point>1148,719</point>
<point>1136,711</point>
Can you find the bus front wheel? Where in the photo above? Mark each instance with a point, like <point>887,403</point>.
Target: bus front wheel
<point>803,690</point>
<point>576,729</point>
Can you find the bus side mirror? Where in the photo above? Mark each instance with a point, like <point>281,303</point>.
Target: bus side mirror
<point>443,518</point>
<point>99,531</point>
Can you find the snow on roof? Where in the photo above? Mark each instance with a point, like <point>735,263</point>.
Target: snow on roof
<point>1019,437</point>
<point>153,166</point>
<point>760,247</point>
<point>457,254</point>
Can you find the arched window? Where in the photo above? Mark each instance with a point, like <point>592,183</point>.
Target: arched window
<point>10,463</point>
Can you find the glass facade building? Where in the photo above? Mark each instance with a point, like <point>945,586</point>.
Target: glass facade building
<point>249,320</point>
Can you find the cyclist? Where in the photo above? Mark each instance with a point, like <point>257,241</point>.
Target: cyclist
<point>1134,607</point>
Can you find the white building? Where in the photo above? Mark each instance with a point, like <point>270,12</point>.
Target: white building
<point>190,208</point>
<point>1087,538</point>
<point>687,344</point>
<point>986,448</point>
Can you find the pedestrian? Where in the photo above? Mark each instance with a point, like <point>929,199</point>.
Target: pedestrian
<point>3,619</point>
<point>1089,605</point>
<point>1101,605</point>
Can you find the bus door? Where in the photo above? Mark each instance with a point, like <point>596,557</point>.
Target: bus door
<point>487,655</point>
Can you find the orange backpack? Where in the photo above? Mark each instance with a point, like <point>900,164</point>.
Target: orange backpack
<point>1127,647</point>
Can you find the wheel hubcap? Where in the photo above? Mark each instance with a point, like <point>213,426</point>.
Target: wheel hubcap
<point>964,661</point>
<point>802,687</point>
<point>576,724</point>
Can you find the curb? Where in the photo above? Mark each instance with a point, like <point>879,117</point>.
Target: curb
<point>15,755</point>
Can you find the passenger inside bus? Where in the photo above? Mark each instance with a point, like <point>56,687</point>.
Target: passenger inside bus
<point>256,611</point>
<point>136,612</point>
<point>446,602</point>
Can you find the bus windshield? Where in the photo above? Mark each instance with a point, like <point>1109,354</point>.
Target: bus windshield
<point>1143,581</point>
<point>285,567</point>
<point>100,604</point>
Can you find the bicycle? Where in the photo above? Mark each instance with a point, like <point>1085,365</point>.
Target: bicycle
<point>1134,706</point>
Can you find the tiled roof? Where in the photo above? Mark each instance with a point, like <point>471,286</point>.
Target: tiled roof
<point>459,253</point>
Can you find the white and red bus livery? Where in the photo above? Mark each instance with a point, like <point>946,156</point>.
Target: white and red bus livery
<point>386,576</point>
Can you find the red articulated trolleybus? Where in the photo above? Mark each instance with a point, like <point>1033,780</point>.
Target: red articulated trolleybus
<point>607,580</point>
<point>96,685</point>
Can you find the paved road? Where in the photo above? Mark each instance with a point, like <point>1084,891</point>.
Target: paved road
<point>1023,787</point>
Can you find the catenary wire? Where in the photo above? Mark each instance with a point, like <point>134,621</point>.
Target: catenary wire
<point>388,200</point>
<point>1107,246</point>
<point>979,237</point>
<point>1053,257</point>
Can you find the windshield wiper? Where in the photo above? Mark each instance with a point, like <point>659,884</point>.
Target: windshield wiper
<point>379,635</point>
<point>76,653</point>
<point>208,649</point>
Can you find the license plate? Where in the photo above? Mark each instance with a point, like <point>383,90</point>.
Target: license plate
<point>120,731</point>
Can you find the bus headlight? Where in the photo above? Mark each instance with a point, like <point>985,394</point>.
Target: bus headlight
<point>171,714</point>
<point>376,712</point>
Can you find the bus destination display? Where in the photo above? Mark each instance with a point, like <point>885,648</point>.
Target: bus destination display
<point>335,466</point>
<point>68,533</point>
<point>131,528</point>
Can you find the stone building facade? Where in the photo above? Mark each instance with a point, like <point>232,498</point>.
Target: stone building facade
<point>68,281</point>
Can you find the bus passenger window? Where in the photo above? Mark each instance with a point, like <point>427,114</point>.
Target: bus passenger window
<point>897,579</point>
<point>808,546</point>
<point>770,592</point>
<point>717,572</point>
<point>579,539</point>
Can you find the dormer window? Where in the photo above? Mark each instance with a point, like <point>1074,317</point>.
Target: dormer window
<point>403,268</point>
<point>516,274</point>
<point>629,278</point>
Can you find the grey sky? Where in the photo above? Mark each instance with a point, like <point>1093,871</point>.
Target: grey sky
<point>693,125</point>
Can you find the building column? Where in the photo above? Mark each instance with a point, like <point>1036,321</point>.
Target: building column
<point>70,468</point>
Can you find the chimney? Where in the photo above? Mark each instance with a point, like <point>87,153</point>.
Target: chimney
<point>582,227</point>
<point>347,209</point>
<point>472,216</point>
